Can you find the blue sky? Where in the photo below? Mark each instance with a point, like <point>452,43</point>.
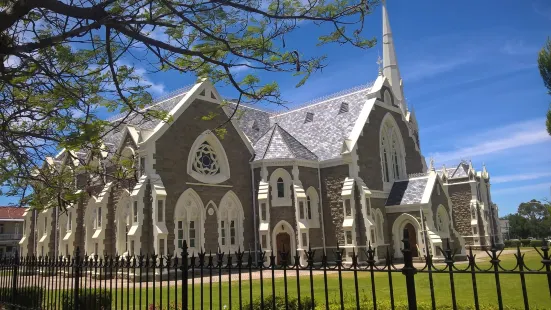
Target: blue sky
<point>469,70</point>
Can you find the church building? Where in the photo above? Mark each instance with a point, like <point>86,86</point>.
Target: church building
<point>345,170</point>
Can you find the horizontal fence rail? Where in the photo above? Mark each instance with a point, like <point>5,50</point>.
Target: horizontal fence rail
<point>249,280</point>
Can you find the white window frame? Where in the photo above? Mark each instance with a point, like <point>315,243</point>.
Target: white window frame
<point>313,197</point>
<point>287,181</point>
<point>392,152</point>
<point>222,158</point>
<point>161,210</point>
<point>346,241</point>
<point>135,218</point>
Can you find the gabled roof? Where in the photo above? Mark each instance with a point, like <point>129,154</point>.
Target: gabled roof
<point>407,192</point>
<point>252,121</point>
<point>12,213</point>
<point>460,171</point>
<point>277,143</point>
<point>325,134</point>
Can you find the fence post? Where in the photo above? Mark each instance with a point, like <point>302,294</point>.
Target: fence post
<point>14,278</point>
<point>76,274</point>
<point>409,271</point>
<point>184,267</point>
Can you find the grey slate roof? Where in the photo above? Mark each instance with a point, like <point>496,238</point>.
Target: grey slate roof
<point>407,192</point>
<point>277,143</point>
<point>254,122</point>
<point>460,171</point>
<point>325,135</point>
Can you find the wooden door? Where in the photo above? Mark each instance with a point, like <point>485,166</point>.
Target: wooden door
<point>412,239</point>
<point>283,242</point>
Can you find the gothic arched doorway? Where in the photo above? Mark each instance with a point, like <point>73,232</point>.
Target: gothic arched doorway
<point>283,243</point>
<point>412,238</point>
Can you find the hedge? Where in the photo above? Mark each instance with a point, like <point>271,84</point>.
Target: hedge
<point>27,297</point>
<point>94,300</point>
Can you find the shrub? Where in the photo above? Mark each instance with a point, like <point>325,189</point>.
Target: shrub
<point>537,243</point>
<point>94,300</point>
<point>27,297</point>
<point>293,304</point>
<point>513,243</point>
<point>525,242</point>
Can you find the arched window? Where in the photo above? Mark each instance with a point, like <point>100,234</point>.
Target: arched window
<point>309,207</point>
<point>392,152</point>
<point>379,222</point>
<point>442,222</point>
<point>280,185</point>
<point>189,221</point>
<point>230,223</point>
<point>280,188</point>
<point>207,160</point>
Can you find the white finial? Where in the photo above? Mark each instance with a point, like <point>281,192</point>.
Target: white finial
<point>431,168</point>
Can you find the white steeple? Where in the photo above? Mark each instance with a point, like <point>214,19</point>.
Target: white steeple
<point>390,63</point>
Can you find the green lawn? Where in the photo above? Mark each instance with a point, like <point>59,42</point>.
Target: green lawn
<point>537,287</point>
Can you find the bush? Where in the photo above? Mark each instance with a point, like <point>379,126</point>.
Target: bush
<point>525,242</point>
<point>293,304</point>
<point>27,297</point>
<point>513,243</point>
<point>537,243</point>
<point>94,300</point>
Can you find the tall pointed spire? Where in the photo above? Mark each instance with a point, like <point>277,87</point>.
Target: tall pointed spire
<point>390,62</point>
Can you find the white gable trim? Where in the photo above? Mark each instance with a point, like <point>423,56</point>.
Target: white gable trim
<point>428,189</point>
<point>352,139</point>
<point>186,101</point>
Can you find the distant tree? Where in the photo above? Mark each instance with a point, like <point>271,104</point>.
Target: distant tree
<point>537,218</point>
<point>544,64</point>
<point>518,226</point>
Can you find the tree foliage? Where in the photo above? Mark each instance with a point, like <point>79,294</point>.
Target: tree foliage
<point>62,62</point>
<point>533,219</point>
<point>544,65</point>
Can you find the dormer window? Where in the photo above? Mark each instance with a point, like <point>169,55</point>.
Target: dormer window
<point>280,188</point>
<point>344,108</point>
<point>309,117</point>
<point>255,126</point>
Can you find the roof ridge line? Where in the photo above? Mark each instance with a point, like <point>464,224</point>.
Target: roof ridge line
<point>270,140</point>
<point>304,146</point>
<point>328,97</point>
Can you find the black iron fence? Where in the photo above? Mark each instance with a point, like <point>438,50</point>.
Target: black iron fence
<point>248,280</point>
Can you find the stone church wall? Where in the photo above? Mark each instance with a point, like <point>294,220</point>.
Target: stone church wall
<point>368,149</point>
<point>172,150</point>
<point>436,201</point>
<point>309,178</point>
<point>460,195</point>
<point>332,203</point>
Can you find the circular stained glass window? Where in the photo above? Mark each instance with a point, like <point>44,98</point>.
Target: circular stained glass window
<point>206,161</point>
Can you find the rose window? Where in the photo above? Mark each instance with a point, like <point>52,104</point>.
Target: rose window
<point>205,161</point>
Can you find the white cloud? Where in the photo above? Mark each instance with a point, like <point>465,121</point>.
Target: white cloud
<point>240,67</point>
<point>519,177</point>
<point>525,188</point>
<point>12,61</point>
<point>498,140</point>
<point>518,47</point>
<point>427,69</point>
<point>540,9</point>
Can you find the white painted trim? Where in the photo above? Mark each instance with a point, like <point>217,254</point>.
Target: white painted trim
<point>231,198</point>
<point>182,212</point>
<point>210,185</point>
<point>403,208</point>
<point>397,232</point>
<point>212,140</point>
<point>278,229</point>
<point>428,188</point>
<point>287,181</point>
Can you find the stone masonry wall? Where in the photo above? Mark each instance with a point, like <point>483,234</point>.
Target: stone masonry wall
<point>333,180</point>
<point>309,178</point>
<point>460,195</point>
<point>368,149</point>
<point>442,199</point>
<point>172,150</point>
